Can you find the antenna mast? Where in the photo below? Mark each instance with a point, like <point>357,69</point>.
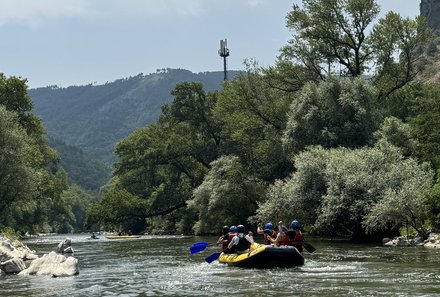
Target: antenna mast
<point>224,52</point>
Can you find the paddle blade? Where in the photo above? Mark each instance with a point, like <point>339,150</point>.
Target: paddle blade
<point>197,248</point>
<point>212,257</point>
<point>308,247</point>
<point>200,243</point>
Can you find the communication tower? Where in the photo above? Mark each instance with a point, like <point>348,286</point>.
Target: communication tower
<point>224,52</point>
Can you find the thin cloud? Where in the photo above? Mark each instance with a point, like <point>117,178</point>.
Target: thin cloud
<point>37,12</point>
<point>254,2</point>
<point>34,13</point>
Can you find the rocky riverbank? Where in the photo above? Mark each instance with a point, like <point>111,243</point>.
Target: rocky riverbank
<point>433,241</point>
<point>17,258</point>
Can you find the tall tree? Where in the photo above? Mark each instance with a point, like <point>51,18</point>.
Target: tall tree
<point>253,117</point>
<point>229,195</point>
<point>162,163</point>
<point>18,181</point>
<point>40,208</point>
<point>425,124</point>
<point>337,112</point>
<point>395,41</point>
<point>331,31</point>
<point>333,36</point>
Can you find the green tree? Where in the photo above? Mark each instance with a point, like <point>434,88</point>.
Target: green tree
<point>397,133</point>
<point>119,210</point>
<point>405,206</point>
<point>333,36</point>
<point>328,31</point>
<point>18,181</point>
<point>252,115</point>
<point>35,165</point>
<point>162,163</point>
<point>78,201</point>
<point>336,191</point>
<point>337,112</point>
<point>425,124</point>
<point>395,41</point>
<point>227,196</point>
<point>433,199</point>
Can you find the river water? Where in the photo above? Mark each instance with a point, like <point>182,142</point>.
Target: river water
<point>163,266</point>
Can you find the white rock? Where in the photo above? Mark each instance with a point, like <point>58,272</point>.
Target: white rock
<point>52,264</point>
<point>64,246</point>
<point>10,250</point>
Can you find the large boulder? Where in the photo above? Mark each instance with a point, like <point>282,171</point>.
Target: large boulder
<point>52,264</point>
<point>9,250</point>
<point>64,246</point>
<point>433,241</point>
<point>14,265</point>
<point>430,9</point>
<point>398,241</point>
<point>15,257</point>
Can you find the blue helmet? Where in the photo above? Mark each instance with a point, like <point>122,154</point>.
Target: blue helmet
<point>240,229</point>
<point>295,224</point>
<point>233,229</point>
<point>268,226</point>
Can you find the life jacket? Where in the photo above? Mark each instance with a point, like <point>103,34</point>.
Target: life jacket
<point>225,241</point>
<point>297,240</point>
<point>284,239</point>
<point>243,244</point>
<point>266,237</point>
<point>228,239</point>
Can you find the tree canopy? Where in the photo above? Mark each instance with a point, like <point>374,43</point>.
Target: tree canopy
<point>31,182</point>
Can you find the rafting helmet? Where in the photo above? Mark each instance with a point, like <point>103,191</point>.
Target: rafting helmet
<point>240,229</point>
<point>233,229</point>
<point>225,229</point>
<point>268,226</point>
<point>295,224</point>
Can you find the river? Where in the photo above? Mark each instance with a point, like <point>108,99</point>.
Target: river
<point>163,266</point>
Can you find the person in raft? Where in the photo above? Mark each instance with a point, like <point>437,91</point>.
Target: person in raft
<point>296,237</point>
<point>281,238</point>
<point>267,232</point>
<point>240,242</point>
<point>224,239</point>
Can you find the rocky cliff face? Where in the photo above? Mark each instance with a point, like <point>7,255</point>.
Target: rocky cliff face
<point>431,10</point>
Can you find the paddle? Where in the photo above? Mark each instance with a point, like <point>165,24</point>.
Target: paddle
<point>308,247</point>
<point>212,257</point>
<point>200,247</point>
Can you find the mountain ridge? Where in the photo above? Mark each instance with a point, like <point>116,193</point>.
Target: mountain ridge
<point>95,117</point>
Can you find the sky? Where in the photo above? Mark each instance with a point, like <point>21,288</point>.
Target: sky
<point>78,42</point>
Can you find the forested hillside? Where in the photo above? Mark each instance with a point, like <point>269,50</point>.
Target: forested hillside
<point>82,170</point>
<point>95,117</point>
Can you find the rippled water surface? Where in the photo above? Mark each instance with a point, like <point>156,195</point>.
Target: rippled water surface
<point>163,266</point>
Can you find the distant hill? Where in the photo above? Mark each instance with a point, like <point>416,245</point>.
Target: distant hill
<point>82,170</point>
<point>95,117</point>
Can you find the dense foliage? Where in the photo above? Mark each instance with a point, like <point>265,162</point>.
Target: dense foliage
<point>34,193</point>
<point>248,152</point>
<point>308,138</point>
<point>30,181</point>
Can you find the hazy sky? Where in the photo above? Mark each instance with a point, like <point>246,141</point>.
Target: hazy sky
<point>76,42</point>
